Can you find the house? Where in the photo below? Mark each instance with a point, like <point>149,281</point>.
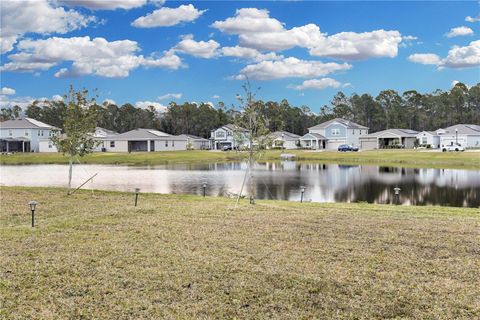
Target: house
<point>104,136</point>
<point>467,135</point>
<point>230,136</point>
<point>146,140</point>
<point>196,143</point>
<point>428,138</point>
<point>285,140</point>
<point>333,133</point>
<point>26,135</point>
<point>389,138</point>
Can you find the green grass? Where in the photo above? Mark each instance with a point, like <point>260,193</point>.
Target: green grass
<point>404,158</point>
<point>93,255</point>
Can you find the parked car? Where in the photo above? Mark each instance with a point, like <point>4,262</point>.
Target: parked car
<point>455,147</point>
<point>346,147</point>
<point>227,148</point>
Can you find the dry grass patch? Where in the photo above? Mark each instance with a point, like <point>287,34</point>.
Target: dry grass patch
<point>189,257</point>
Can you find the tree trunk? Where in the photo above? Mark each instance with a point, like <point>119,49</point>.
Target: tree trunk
<point>70,161</point>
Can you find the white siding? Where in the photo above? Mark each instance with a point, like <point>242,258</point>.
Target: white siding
<point>173,145</point>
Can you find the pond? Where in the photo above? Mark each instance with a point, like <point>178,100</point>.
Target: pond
<point>278,180</point>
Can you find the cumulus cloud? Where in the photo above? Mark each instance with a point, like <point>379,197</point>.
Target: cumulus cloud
<point>7,91</point>
<point>249,53</point>
<point>202,49</point>
<point>36,16</point>
<point>104,4</point>
<point>215,96</point>
<point>88,56</point>
<point>170,96</point>
<point>457,58</point>
<point>317,84</point>
<point>472,19</point>
<point>289,68</point>
<point>166,17</point>
<point>108,102</point>
<point>57,97</point>
<point>459,31</point>
<point>145,104</point>
<point>257,30</point>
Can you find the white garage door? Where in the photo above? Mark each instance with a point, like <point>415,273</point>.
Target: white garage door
<point>333,145</point>
<point>368,144</point>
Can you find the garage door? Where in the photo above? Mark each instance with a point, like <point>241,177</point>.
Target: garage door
<point>333,145</point>
<point>368,144</point>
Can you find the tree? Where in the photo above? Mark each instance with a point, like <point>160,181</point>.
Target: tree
<point>80,121</point>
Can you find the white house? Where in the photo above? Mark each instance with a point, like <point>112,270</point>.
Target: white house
<point>26,135</point>
<point>104,136</point>
<point>331,134</point>
<point>429,138</point>
<point>230,136</point>
<point>146,140</point>
<point>196,143</point>
<point>466,135</point>
<point>389,138</point>
<point>285,140</point>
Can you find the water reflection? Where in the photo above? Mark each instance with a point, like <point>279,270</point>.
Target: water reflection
<point>276,180</point>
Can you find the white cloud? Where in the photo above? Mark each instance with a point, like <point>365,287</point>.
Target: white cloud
<point>472,19</point>
<point>107,102</point>
<point>457,57</point>
<point>454,82</point>
<point>166,17</point>
<point>425,58</point>
<point>249,53</point>
<point>104,4</point>
<point>289,68</point>
<point>57,97</point>
<point>459,31</point>
<point>88,56</point>
<point>202,49</point>
<point>257,30</point>
<point>318,84</point>
<point>170,96</point>
<point>8,102</point>
<point>145,104</point>
<point>36,16</point>
<point>215,96</point>
<point>7,91</point>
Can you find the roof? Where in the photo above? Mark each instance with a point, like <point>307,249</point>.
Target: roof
<point>234,127</point>
<point>346,123</point>
<point>393,132</point>
<point>191,136</point>
<point>315,135</point>
<point>108,132</point>
<point>146,134</point>
<point>469,129</point>
<point>433,133</point>
<point>287,136</point>
<point>25,123</point>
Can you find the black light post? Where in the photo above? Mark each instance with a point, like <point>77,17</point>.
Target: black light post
<point>302,189</point>
<point>33,205</point>
<point>456,136</point>
<point>137,190</point>
<point>397,194</point>
<point>204,189</point>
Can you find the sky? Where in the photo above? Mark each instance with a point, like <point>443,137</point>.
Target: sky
<point>152,52</point>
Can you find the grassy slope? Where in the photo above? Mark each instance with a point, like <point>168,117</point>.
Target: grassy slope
<point>174,256</point>
<point>407,158</point>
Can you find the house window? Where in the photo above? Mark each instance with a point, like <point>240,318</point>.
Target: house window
<point>220,134</point>
<point>49,144</point>
<point>26,133</point>
<point>10,133</point>
<point>173,143</point>
<point>112,144</point>
<point>424,140</point>
<point>360,132</point>
<point>335,132</point>
<point>166,143</point>
<point>42,133</point>
<point>353,131</point>
<point>38,132</point>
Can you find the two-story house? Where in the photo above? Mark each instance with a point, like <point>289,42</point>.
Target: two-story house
<point>228,136</point>
<point>333,133</point>
<point>26,135</point>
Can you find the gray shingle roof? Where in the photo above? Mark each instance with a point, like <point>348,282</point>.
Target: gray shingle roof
<point>472,129</point>
<point>25,123</point>
<point>234,127</point>
<point>146,134</point>
<point>347,123</point>
<point>395,132</point>
<point>287,136</point>
<point>191,136</point>
<point>316,135</point>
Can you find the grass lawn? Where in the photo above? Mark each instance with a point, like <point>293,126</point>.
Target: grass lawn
<point>93,255</point>
<point>404,158</point>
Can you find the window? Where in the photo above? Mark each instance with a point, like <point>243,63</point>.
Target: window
<point>353,131</point>
<point>38,132</point>
<point>424,140</point>
<point>42,133</point>
<point>220,134</point>
<point>166,143</point>
<point>335,132</point>
<point>26,132</point>
<point>112,144</point>
<point>360,132</point>
<point>49,144</point>
<point>10,132</point>
<point>173,143</point>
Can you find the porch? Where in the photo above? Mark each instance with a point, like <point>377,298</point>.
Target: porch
<point>15,145</point>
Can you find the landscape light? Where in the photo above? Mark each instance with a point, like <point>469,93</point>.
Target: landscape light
<point>302,189</point>
<point>397,194</point>
<point>33,205</point>
<point>204,188</point>
<point>137,190</point>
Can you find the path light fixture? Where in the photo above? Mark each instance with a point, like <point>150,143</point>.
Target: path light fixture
<point>137,190</point>
<point>204,189</point>
<point>33,205</point>
<point>397,194</point>
<point>302,190</point>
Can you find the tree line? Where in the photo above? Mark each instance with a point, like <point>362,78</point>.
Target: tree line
<point>389,109</point>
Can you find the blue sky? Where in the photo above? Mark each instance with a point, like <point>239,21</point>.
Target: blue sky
<point>304,51</point>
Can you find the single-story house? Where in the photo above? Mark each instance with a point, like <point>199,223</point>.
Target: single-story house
<point>196,143</point>
<point>285,140</point>
<point>146,140</point>
<point>26,135</point>
<point>229,135</point>
<point>466,135</point>
<point>333,133</point>
<point>389,139</point>
<point>104,136</point>
<point>430,138</point>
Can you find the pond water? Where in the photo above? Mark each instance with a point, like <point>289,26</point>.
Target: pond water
<point>279,180</point>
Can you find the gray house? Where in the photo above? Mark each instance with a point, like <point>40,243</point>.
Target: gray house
<point>389,138</point>
<point>196,143</point>
<point>144,140</point>
<point>230,135</point>
<point>285,140</point>
<point>331,134</point>
<point>26,135</point>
